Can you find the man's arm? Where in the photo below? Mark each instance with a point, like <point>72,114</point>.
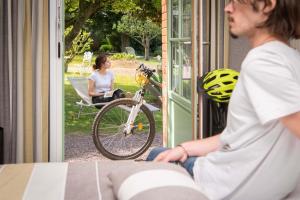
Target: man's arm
<point>292,122</point>
<point>202,147</point>
<point>192,148</point>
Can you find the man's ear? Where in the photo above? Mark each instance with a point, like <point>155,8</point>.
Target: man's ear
<point>270,5</point>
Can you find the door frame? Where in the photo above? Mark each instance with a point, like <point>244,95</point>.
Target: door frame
<point>215,49</point>
<point>56,95</point>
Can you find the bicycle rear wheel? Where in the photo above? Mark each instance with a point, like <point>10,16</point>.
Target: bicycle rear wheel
<point>108,130</point>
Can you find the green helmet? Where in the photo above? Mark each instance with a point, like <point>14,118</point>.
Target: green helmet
<point>219,84</point>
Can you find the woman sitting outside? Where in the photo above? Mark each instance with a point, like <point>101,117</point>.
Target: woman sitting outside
<point>102,81</point>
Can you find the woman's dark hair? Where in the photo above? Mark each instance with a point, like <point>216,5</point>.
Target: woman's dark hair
<point>100,60</point>
<point>284,19</point>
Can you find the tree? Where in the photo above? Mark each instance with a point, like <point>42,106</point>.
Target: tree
<point>78,12</point>
<point>84,15</point>
<point>149,9</point>
<point>81,43</point>
<point>141,30</point>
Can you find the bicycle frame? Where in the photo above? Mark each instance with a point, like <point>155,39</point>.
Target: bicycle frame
<point>138,97</point>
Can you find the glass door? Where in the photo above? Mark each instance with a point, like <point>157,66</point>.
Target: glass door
<point>180,51</point>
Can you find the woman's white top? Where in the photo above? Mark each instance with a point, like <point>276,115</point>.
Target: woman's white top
<point>102,81</point>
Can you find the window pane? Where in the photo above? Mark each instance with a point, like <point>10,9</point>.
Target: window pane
<point>175,66</point>
<point>175,19</point>
<point>187,69</point>
<point>187,18</point>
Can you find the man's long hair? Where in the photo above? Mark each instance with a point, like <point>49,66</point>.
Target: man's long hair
<point>284,19</point>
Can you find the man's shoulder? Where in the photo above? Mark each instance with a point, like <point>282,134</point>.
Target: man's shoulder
<point>271,54</point>
<point>276,50</point>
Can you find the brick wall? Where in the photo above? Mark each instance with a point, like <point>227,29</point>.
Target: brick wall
<point>165,70</point>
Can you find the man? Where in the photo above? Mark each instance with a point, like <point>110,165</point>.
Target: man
<point>257,156</point>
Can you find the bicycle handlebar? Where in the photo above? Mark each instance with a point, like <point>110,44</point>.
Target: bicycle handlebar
<point>148,71</point>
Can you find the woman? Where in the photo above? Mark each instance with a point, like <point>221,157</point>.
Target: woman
<point>102,81</point>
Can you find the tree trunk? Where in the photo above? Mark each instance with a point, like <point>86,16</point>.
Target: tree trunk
<point>124,41</point>
<point>147,48</point>
<point>67,62</point>
<point>86,9</point>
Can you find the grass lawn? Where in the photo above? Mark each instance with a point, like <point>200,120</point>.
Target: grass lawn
<point>83,125</point>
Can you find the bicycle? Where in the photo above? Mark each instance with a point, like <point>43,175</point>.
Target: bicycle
<point>125,128</point>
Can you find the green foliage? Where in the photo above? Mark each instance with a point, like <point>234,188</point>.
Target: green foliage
<point>80,44</point>
<point>157,4</point>
<point>122,56</point>
<point>141,30</point>
<point>137,28</point>
<point>157,52</point>
<point>125,6</point>
<point>98,16</point>
<point>105,48</point>
<point>149,9</point>
<point>157,77</point>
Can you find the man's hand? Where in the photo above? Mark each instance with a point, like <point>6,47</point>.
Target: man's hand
<point>292,122</point>
<point>175,154</point>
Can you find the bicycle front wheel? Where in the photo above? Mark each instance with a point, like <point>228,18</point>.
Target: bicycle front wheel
<point>109,135</point>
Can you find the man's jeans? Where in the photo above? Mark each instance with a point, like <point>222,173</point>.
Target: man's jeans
<point>188,164</point>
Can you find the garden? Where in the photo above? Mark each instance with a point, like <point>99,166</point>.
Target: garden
<point>129,32</point>
<point>78,140</point>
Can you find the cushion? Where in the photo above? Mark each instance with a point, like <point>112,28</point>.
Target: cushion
<point>153,180</point>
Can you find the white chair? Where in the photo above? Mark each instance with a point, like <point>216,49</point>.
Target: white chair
<point>86,62</point>
<point>130,50</point>
<point>80,84</point>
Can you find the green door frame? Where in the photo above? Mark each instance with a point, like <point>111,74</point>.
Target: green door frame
<point>183,112</point>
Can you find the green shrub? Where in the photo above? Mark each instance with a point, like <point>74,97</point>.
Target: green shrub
<point>157,52</point>
<point>122,56</point>
<point>105,48</point>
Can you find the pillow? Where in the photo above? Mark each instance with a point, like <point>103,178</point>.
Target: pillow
<point>153,180</point>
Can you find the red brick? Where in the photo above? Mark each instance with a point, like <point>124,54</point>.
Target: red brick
<point>164,54</point>
<point>164,31</point>
<point>164,48</point>
<point>164,17</point>
<point>164,8</point>
<point>164,39</point>
<point>164,2</point>
<point>163,63</point>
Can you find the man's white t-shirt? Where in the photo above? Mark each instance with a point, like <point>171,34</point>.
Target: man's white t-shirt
<point>102,81</point>
<point>259,158</point>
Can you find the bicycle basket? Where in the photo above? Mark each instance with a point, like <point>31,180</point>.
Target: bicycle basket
<point>141,78</point>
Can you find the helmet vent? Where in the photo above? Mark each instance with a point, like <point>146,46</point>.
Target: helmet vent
<point>216,93</point>
<point>222,75</point>
<point>236,77</point>
<point>210,79</point>
<point>227,82</point>
<point>224,98</point>
<point>214,87</point>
